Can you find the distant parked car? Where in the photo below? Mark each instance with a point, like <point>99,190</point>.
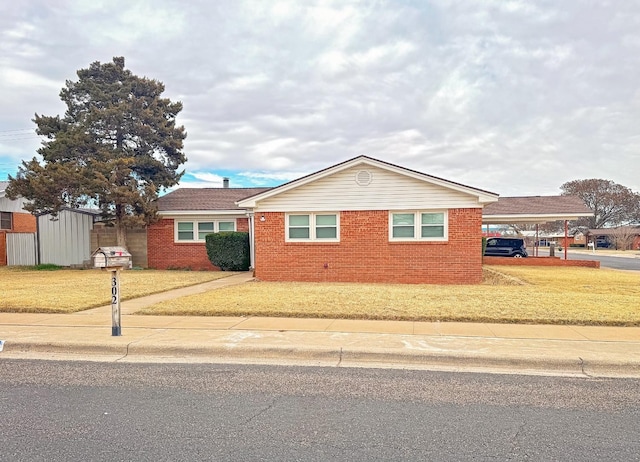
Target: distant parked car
<point>505,247</point>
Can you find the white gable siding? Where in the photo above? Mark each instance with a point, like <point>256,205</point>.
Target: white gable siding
<point>387,191</point>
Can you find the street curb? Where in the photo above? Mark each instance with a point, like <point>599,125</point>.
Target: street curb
<point>13,348</point>
<point>327,357</point>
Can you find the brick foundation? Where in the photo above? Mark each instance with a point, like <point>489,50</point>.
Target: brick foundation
<point>364,253</point>
<point>539,261</point>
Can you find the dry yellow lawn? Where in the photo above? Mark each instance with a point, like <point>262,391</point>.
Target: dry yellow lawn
<point>509,294</point>
<point>66,291</point>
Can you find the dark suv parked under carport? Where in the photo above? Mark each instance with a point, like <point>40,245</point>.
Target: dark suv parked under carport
<point>505,247</point>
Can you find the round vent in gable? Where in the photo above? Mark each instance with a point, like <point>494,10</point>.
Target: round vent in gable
<point>364,177</point>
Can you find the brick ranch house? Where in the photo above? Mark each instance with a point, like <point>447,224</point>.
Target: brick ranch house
<point>13,219</point>
<point>363,220</point>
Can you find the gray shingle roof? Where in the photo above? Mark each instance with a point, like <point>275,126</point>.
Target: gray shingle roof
<point>205,198</point>
<point>537,205</point>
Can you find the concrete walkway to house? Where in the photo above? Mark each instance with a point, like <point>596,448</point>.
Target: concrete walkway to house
<point>508,348</point>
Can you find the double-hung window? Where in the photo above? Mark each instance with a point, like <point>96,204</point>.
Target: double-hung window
<point>196,231</point>
<point>6,219</point>
<point>312,227</point>
<point>418,226</point>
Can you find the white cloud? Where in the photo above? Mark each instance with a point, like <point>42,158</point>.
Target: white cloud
<point>25,79</point>
<point>545,90</point>
<point>261,177</point>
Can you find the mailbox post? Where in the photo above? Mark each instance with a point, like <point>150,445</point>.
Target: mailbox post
<point>113,259</point>
<point>116,314</point>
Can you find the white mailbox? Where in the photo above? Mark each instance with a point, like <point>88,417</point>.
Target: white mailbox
<point>111,257</point>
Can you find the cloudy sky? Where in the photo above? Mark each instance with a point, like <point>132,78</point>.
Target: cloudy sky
<point>515,97</point>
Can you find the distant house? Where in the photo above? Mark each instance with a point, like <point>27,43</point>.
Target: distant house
<point>621,238</point>
<point>25,239</point>
<point>13,220</point>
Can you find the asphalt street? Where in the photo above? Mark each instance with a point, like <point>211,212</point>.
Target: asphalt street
<point>621,263</point>
<point>630,262</point>
<point>58,411</point>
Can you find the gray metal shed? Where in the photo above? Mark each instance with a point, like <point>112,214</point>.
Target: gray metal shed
<point>65,240</point>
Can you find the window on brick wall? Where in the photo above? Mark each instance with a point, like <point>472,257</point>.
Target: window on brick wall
<point>312,227</point>
<point>6,220</point>
<point>418,226</point>
<point>196,230</point>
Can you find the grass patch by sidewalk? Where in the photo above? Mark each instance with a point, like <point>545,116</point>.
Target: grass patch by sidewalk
<point>509,295</point>
<point>27,290</point>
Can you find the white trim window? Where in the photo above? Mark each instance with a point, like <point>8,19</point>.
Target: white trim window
<point>324,227</point>
<point>197,230</point>
<point>418,226</point>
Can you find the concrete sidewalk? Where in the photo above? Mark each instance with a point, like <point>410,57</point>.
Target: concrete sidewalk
<point>509,348</point>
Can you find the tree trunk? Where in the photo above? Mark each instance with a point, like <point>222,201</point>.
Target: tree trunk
<point>121,232</point>
<point>121,235</point>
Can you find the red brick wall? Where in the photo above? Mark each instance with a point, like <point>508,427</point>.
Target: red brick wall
<point>242,225</point>
<point>24,223</point>
<point>164,253</point>
<point>21,223</point>
<point>364,253</point>
<point>539,261</point>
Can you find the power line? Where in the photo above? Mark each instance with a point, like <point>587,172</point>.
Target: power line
<point>19,130</point>
<point>6,140</point>
<point>18,134</point>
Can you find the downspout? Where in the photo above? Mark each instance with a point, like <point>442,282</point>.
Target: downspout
<point>566,238</point>
<point>251,241</point>
<point>38,239</point>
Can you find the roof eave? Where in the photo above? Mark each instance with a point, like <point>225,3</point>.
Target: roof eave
<point>509,218</point>
<point>166,213</point>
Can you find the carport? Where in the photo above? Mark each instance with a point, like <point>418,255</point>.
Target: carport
<point>536,210</point>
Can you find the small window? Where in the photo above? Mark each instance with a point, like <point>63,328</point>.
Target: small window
<point>196,231</point>
<point>313,227</point>
<point>326,227</point>
<point>185,231</point>
<point>403,225</point>
<point>204,228</point>
<point>6,219</point>
<point>227,226</point>
<point>299,227</point>
<point>420,226</point>
<point>432,225</point>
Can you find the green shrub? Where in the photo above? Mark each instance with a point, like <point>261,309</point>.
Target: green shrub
<point>484,245</point>
<point>229,250</point>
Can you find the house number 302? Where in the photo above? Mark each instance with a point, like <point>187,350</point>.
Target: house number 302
<point>114,290</point>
